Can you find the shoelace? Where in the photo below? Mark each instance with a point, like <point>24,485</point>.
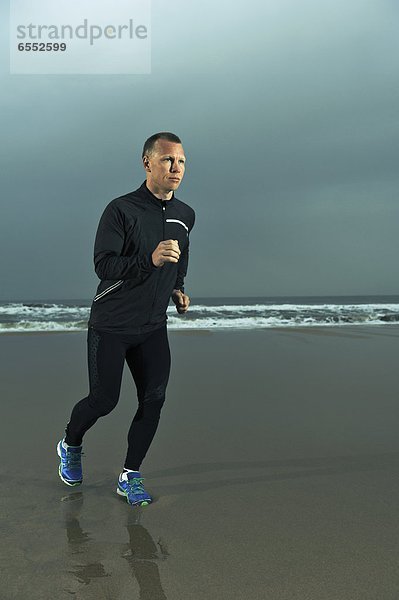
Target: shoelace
<point>136,485</point>
<point>72,459</point>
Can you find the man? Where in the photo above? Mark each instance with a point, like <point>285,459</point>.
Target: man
<point>141,256</point>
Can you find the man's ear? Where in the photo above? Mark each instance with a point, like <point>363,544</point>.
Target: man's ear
<point>146,163</point>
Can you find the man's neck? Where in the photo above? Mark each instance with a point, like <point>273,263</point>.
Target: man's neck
<point>158,192</point>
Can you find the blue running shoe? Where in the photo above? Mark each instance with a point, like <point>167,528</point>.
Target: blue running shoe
<point>70,469</point>
<point>131,486</point>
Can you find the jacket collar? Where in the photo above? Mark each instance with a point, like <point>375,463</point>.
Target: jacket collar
<point>150,196</point>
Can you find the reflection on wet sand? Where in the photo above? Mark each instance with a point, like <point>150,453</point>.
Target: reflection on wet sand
<point>140,552</point>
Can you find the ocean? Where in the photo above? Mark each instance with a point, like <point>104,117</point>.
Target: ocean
<point>48,315</point>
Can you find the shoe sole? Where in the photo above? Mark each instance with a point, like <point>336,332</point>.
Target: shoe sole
<point>138,503</point>
<point>71,483</point>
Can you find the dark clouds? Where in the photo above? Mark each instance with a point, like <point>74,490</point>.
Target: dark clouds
<point>289,116</point>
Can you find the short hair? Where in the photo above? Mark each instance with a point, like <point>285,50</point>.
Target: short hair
<point>161,135</point>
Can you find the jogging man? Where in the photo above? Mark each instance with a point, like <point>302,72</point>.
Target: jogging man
<point>141,257</point>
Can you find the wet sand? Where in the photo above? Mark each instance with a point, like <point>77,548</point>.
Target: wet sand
<point>274,471</point>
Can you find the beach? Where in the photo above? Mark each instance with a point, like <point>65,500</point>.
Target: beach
<point>274,471</point>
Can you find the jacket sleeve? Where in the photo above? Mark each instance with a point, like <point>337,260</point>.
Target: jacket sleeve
<point>108,246</point>
<point>183,263</point>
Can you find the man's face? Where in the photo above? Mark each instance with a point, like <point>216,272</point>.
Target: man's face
<point>165,165</point>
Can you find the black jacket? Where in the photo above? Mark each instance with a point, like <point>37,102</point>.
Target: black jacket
<point>133,294</point>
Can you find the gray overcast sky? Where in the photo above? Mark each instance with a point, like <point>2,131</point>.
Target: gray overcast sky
<point>289,115</point>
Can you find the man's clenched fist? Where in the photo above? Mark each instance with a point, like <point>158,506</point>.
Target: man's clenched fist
<point>166,251</point>
<point>181,300</point>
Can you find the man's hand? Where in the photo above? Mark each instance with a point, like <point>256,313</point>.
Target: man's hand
<point>181,300</point>
<point>166,251</point>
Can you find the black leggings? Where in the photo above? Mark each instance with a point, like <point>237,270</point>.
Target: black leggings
<point>148,358</point>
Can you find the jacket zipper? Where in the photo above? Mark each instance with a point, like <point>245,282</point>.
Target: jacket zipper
<point>107,290</point>
<point>163,237</point>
